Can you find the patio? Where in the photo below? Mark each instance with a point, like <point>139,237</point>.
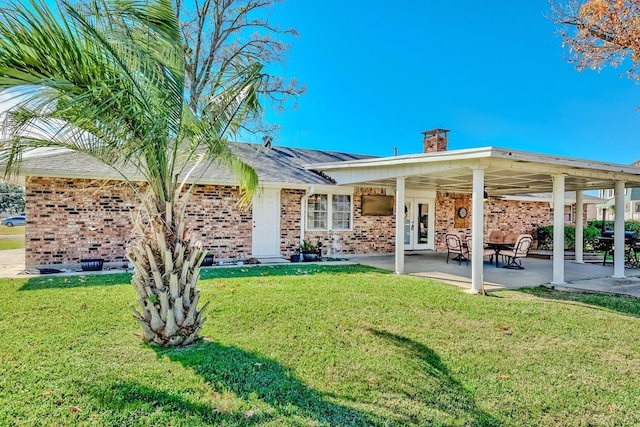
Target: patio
<point>579,277</point>
<point>482,172</point>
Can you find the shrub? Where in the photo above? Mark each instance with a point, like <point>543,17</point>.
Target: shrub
<point>544,235</point>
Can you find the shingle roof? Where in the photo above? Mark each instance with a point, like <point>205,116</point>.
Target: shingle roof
<point>274,165</point>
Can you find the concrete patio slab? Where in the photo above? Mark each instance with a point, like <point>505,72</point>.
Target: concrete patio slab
<point>578,277</point>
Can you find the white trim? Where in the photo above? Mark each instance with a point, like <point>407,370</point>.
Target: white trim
<point>477,154</point>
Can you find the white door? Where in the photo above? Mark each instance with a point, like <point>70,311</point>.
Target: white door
<point>419,223</point>
<point>265,238</point>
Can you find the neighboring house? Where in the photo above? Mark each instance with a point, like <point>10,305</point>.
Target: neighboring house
<point>79,208</point>
<point>631,203</point>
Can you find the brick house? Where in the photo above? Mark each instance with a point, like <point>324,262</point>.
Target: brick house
<point>78,208</point>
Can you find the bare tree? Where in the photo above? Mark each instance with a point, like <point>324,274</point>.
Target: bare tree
<point>600,32</point>
<point>222,35</point>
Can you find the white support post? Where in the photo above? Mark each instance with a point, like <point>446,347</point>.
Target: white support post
<point>400,187</point>
<point>579,227</point>
<point>477,231</point>
<point>618,231</point>
<point>558,230</point>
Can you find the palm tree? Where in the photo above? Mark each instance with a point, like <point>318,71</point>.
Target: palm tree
<point>108,79</point>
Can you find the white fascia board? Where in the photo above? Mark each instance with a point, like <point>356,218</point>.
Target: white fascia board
<point>409,159</point>
<point>370,174</point>
<point>318,188</point>
<point>563,161</point>
<point>511,159</point>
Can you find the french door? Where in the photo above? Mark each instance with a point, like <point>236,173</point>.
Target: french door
<point>419,222</point>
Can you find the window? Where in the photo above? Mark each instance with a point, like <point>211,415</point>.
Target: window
<point>322,215</point>
<point>317,212</point>
<point>341,212</point>
<point>568,213</point>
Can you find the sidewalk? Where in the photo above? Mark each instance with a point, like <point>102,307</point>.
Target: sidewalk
<point>12,263</point>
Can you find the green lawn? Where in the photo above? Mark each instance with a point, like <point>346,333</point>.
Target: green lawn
<point>15,230</point>
<point>11,237</point>
<point>306,345</point>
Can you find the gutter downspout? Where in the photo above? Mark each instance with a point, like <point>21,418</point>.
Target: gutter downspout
<point>303,211</point>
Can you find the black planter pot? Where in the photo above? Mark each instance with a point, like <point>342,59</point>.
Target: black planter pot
<point>308,257</point>
<point>295,258</point>
<point>207,261</point>
<point>91,264</point>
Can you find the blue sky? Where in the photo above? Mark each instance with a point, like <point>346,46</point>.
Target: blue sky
<point>494,73</point>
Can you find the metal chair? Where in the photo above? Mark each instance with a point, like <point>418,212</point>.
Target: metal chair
<point>455,246</point>
<point>485,250</point>
<point>520,250</point>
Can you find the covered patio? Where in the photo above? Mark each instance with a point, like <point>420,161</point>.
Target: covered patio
<point>497,172</point>
<point>579,277</point>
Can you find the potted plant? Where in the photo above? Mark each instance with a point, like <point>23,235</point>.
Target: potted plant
<point>296,257</point>
<point>309,251</point>
<point>207,261</point>
<point>91,264</point>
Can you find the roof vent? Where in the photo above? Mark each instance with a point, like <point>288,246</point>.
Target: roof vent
<point>266,140</point>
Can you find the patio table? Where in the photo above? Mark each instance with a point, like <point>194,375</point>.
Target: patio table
<point>498,246</point>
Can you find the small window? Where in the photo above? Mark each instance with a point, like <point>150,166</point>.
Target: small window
<point>325,215</point>
<point>568,213</point>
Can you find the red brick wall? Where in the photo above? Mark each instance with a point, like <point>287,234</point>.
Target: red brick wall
<point>69,220</point>
<point>219,222</point>
<point>370,234</point>
<point>504,215</point>
<point>290,221</point>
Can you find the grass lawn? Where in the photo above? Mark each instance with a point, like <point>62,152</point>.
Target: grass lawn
<point>16,230</point>
<point>305,345</point>
<point>17,243</point>
<point>11,237</point>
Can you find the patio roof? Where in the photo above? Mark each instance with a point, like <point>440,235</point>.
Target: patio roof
<point>495,172</point>
<point>506,171</point>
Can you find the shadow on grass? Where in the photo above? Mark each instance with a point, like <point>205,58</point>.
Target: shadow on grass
<point>620,303</point>
<point>252,379</point>
<point>51,281</point>
<point>437,389</point>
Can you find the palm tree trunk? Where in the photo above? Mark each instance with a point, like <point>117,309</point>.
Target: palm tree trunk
<point>166,271</point>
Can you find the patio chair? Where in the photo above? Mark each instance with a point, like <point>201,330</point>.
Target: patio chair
<point>511,238</point>
<point>496,236</point>
<point>520,250</point>
<point>485,250</point>
<point>455,246</point>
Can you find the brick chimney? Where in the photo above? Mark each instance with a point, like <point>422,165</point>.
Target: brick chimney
<point>435,140</point>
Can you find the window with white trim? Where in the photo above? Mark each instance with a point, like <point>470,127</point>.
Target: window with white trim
<point>568,213</point>
<point>329,212</point>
